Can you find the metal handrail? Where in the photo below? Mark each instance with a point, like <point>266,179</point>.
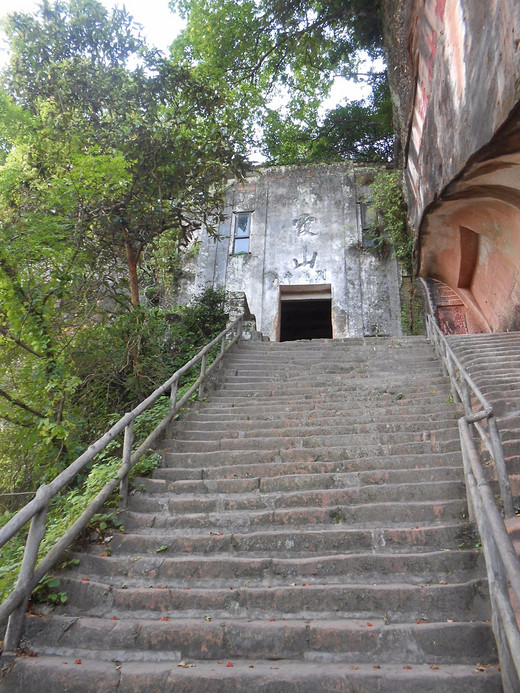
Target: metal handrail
<point>30,574</point>
<point>463,388</point>
<point>502,562</point>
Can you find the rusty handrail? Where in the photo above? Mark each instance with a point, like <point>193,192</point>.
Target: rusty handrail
<point>30,574</point>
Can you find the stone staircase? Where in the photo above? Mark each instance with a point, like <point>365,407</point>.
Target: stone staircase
<point>307,532</point>
<point>493,361</point>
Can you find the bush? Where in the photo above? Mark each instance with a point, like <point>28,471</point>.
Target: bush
<point>389,206</point>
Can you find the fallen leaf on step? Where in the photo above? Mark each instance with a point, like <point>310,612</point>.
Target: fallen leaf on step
<point>165,618</point>
<point>229,664</point>
<point>183,665</point>
<point>376,666</point>
<point>251,666</point>
<point>434,667</point>
<point>208,618</point>
<point>354,667</point>
<point>78,661</point>
<point>137,558</point>
<point>479,668</point>
<point>84,579</point>
<point>216,534</point>
<point>369,625</point>
<point>407,666</point>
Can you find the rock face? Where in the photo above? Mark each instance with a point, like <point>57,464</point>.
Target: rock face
<point>306,532</point>
<point>454,66</point>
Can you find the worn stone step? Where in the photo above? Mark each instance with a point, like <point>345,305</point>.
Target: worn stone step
<point>309,540</point>
<point>240,515</point>
<point>309,454</point>
<point>397,603</point>
<point>357,394</point>
<point>395,406</point>
<point>369,420</point>
<point>215,639</point>
<point>321,438</point>
<point>238,380</point>
<point>261,495</point>
<point>60,674</point>
<point>290,482</point>
<point>222,571</point>
<point>367,465</point>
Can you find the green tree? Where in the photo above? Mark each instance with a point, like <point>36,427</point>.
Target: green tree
<point>105,146</point>
<point>141,143</point>
<point>265,52</point>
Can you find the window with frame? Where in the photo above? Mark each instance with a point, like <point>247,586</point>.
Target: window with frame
<point>242,232</point>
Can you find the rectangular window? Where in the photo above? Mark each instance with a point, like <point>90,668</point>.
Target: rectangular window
<point>242,229</point>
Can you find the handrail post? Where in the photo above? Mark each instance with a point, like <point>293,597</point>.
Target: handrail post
<point>202,374</point>
<point>222,352</point>
<point>125,465</point>
<point>26,574</point>
<point>501,469</point>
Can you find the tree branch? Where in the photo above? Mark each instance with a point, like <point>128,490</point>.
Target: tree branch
<point>25,346</point>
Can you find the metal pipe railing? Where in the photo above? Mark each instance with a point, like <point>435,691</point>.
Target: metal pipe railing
<point>464,389</point>
<point>502,562</point>
<point>35,512</point>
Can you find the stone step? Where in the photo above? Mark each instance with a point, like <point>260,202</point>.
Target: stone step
<point>318,437</point>
<point>245,376</point>
<point>367,465</point>
<point>387,405</point>
<point>368,421</point>
<point>333,538</point>
<point>396,603</point>
<point>60,674</point>
<point>339,640</point>
<point>386,453</point>
<point>291,482</point>
<point>362,396</point>
<point>255,429</point>
<point>345,413</point>
<point>149,514</point>
<point>446,565</point>
<point>263,495</point>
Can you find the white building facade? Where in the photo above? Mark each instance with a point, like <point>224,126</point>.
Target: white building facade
<point>293,241</point>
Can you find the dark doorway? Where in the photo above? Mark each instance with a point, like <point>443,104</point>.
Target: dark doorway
<point>305,319</point>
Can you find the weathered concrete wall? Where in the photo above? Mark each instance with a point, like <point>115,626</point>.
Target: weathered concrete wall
<point>305,231</point>
<point>460,123</point>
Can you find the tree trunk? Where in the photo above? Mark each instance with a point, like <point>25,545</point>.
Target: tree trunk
<point>132,258</point>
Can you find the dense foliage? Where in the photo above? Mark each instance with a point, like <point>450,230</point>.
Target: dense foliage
<point>277,61</point>
<point>105,148</point>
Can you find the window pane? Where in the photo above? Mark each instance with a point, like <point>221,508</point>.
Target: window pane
<point>241,245</point>
<point>242,226</point>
